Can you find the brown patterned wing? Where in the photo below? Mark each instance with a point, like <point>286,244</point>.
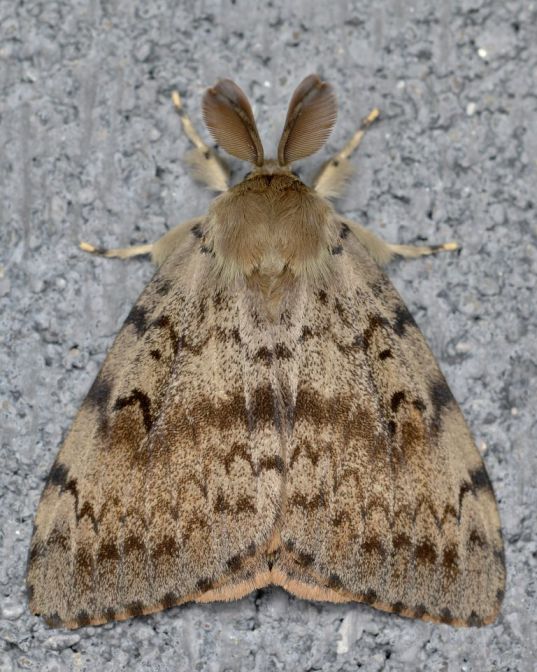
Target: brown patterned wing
<point>387,498</point>
<point>169,480</point>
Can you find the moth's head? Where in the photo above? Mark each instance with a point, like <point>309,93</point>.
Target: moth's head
<point>310,118</point>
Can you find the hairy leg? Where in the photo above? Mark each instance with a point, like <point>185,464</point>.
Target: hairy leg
<point>382,252</point>
<point>331,180</point>
<point>207,166</point>
<point>158,251</point>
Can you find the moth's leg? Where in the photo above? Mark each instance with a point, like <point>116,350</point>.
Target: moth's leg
<point>118,252</point>
<point>413,251</point>
<point>382,252</point>
<point>207,166</point>
<point>331,179</point>
<point>158,251</point>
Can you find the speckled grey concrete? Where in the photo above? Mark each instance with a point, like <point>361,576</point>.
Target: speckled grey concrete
<point>91,149</point>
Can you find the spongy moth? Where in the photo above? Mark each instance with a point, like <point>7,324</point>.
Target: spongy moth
<point>268,414</point>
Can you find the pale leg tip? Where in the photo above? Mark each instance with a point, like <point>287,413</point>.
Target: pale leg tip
<point>373,115</point>
<point>451,247</point>
<point>87,247</point>
<point>176,100</point>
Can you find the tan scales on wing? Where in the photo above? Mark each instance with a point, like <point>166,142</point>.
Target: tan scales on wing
<point>388,500</point>
<point>269,414</point>
<point>172,468</point>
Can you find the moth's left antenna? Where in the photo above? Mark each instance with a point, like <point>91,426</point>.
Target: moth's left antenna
<point>229,118</point>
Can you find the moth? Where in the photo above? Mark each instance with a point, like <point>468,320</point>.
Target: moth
<point>268,414</point>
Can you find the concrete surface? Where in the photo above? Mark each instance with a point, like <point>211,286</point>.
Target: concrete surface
<point>91,149</point>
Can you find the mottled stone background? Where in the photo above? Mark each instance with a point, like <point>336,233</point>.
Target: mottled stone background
<point>91,149</point>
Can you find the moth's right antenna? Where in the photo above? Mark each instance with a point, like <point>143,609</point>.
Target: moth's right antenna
<point>310,118</point>
<point>229,118</point>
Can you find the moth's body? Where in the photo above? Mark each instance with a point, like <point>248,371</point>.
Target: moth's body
<point>271,230</point>
<point>269,414</point>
